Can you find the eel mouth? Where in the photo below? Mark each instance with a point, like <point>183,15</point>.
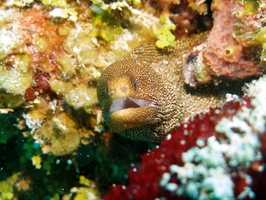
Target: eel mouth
<point>128,102</point>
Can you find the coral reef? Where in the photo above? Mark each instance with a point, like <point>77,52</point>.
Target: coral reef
<point>50,65</point>
<point>219,155</point>
<point>51,56</point>
<point>54,142</point>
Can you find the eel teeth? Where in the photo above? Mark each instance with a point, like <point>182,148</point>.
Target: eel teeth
<point>129,102</point>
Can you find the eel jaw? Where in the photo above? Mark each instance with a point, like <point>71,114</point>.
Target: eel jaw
<point>127,113</point>
<point>128,102</point>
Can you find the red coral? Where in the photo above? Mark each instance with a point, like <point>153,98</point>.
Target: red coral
<point>41,82</point>
<point>40,87</point>
<point>144,180</point>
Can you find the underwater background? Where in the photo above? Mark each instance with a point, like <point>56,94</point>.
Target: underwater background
<point>54,143</point>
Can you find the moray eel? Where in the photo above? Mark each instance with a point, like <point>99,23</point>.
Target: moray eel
<point>144,96</point>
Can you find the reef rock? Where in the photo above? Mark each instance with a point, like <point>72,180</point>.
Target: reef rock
<point>223,55</point>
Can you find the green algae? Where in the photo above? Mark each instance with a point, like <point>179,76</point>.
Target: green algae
<point>251,6</point>
<point>164,35</point>
<point>6,192</point>
<point>255,38</point>
<point>55,3</point>
<point>106,26</point>
<point>251,33</point>
<point>260,38</point>
<point>10,100</point>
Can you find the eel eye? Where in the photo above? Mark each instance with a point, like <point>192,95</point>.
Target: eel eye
<point>134,84</point>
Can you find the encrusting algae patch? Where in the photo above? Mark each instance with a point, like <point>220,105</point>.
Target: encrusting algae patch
<point>54,142</point>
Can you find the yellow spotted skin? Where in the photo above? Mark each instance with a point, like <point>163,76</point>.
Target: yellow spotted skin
<point>155,76</point>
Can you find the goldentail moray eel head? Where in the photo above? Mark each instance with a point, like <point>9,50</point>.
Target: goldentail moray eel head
<point>136,102</point>
<point>144,96</point>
